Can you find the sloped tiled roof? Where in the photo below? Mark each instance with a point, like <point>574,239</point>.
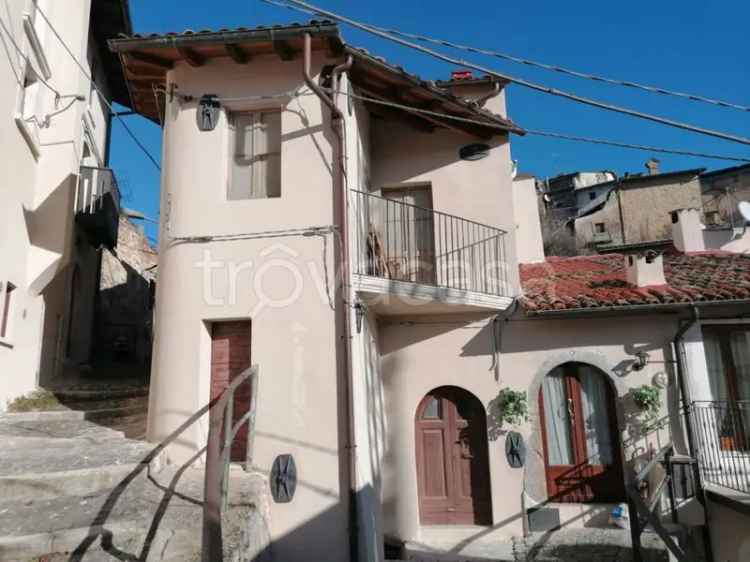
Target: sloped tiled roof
<point>591,282</point>
<point>147,58</point>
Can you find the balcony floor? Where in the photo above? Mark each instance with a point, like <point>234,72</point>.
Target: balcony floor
<point>390,297</point>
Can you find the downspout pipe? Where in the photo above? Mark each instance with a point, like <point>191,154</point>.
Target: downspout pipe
<point>677,344</point>
<point>496,87</point>
<point>338,187</point>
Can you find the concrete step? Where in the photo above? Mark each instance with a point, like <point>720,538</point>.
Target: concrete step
<point>106,403</point>
<point>146,522</point>
<point>82,395</point>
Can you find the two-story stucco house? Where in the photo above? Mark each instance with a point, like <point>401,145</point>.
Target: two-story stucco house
<point>356,231</point>
<point>60,201</point>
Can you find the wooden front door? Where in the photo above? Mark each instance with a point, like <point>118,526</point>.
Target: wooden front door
<point>452,460</point>
<point>579,429</point>
<point>230,356</point>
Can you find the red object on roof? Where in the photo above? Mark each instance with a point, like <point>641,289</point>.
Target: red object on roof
<point>588,282</point>
<point>461,75</point>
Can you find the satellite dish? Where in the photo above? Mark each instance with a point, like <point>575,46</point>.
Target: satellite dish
<point>744,209</point>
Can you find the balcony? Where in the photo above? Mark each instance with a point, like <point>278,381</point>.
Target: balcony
<point>97,205</point>
<point>407,255</point>
<point>723,441</point>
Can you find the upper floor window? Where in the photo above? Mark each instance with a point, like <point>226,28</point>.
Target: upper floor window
<point>727,350</point>
<point>592,195</point>
<point>255,169</point>
<point>6,303</point>
<point>600,228</point>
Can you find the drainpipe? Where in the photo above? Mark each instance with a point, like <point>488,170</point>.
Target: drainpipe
<point>619,207</point>
<point>689,429</point>
<point>338,188</point>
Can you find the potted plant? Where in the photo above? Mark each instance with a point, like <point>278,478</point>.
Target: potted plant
<point>648,399</point>
<point>512,406</point>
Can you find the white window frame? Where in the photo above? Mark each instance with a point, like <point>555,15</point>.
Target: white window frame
<point>7,308</point>
<point>231,128</point>
<point>25,121</point>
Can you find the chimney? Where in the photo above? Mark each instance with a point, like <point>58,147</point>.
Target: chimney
<point>652,165</point>
<point>461,75</point>
<point>687,230</point>
<point>643,270</point>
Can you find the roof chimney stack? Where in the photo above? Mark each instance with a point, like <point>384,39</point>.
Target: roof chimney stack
<point>643,270</point>
<point>687,230</point>
<point>652,165</point>
<point>461,75</point>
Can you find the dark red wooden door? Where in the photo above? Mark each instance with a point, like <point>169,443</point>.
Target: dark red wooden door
<point>230,356</point>
<point>452,459</point>
<point>583,477</point>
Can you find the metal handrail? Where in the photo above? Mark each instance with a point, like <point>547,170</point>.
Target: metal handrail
<point>88,202</point>
<point>411,243</point>
<point>723,442</point>
<point>429,210</point>
<point>643,514</point>
<point>217,461</point>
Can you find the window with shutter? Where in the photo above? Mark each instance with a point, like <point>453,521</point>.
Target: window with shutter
<point>255,169</point>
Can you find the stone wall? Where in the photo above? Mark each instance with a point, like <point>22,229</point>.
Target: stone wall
<point>125,313</point>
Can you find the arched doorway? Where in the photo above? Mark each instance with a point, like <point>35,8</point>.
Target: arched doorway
<point>453,475</point>
<point>580,436</point>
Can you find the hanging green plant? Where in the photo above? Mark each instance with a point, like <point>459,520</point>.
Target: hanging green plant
<point>512,406</point>
<point>648,399</point>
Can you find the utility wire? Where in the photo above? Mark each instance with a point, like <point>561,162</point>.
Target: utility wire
<point>537,64</point>
<point>547,133</point>
<point>519,81</point>
<point>96,88</point>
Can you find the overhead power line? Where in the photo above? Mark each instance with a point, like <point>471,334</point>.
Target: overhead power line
<point>549,134</point>
<point>545,66</point>
<point>104,100</point>
<point>519,81</point>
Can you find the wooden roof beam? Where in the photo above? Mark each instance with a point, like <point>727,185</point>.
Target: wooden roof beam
<point>191,56</point>
<point>466,129</point>
<point>236,53</point>
<point>151,60</point>
<point>391,114</point>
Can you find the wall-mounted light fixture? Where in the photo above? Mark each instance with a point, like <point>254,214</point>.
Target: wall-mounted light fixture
<point>207,113</point>
<point>475,151</point>
<point>640,361</point>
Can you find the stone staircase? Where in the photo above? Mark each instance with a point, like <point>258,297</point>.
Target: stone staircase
<point>123,408</point>
<point>71,489</point>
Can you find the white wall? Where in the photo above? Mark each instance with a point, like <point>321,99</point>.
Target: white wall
<point>36,219</point>
<point>281,287</point>
<point>529,244</point>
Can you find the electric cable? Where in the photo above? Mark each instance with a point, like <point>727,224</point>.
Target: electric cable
<point>520,81</point>
<point>96,88</point>
<point>537,64</point>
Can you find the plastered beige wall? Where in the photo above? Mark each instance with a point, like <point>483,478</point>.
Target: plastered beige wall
<point>276,280</point>
<point>730,538</point>
<point>422,353</point>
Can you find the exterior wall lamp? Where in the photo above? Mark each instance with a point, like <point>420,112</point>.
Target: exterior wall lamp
<point>640,361</point>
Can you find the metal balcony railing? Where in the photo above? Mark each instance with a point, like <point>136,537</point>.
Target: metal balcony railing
<point>97,204</point>
<point>93,185</point>
<point>723,441</point>
<point>404,242</point>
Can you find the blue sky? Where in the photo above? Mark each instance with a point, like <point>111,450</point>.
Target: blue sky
<point>685,45</point>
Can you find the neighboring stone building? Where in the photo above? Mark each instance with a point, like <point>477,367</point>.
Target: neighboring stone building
<point>126,298</point>
<point>722,190</point>
<point>563,190</point>
<point>635,209</point>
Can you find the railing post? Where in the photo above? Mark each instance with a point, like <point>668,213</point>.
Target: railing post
<point>228,426</point>
<point>212,548</point>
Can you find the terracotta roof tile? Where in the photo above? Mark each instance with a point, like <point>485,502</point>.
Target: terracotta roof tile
<point>587,282</point>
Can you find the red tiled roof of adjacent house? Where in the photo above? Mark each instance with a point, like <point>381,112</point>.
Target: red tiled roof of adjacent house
<point>589,282</point>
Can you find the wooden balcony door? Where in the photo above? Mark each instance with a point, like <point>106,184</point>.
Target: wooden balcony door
<point>230,356</point>
<point>452,460</point>
<point>579,430</point>
<point>410,234</point>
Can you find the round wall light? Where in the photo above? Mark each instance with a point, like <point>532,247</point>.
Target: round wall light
<point>475,151</point>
